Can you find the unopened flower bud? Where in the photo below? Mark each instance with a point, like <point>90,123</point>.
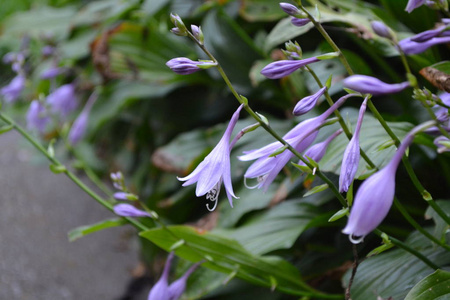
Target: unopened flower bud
<point>176,20</point>
<point>371,85</point>
<point>178,32</point>
<point>197,33</point>
<point>299,22</point>
<point>308,103</point>
<point>128,210</point>
<point>290,9</point>
<point>381,29</point>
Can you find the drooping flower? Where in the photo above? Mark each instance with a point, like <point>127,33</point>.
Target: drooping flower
<point>185,66</point>
<point>413,4</point>
<point>281,68</point>
<point>350,160</point>
<point>408,46</point>
<point>381,29</point>
<point>308,103</point>
<point>63,100</point>
<point>317,151</point>
<point>267,167</point>
<point>128,210</point>
<point>79,126</point>
<point>37,117</point>
<point>375,195</point>
<point>12,91</point>
<point>176,288</point>
<point>371,85</point>
<point>215,168</point>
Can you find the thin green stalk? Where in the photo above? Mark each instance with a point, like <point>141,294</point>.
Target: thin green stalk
<point>407,248</point>
<point>419,228</point>
<point>69,174</point>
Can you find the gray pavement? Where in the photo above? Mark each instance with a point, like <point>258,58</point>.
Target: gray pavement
<point>37,209</point>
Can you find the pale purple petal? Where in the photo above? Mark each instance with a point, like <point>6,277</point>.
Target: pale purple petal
<point>183,65</point>
<point>51,72</point>
<point>308,103</point>
<point>300,22</point>
<point>37,118</point>
<point>371,85</point>
<point>160,291</point>
<point>282,68</point>
<point>317,151</point>
<point>413,4</point>
<point>176,288</point>
<point>63,100</point>
<point>128,210</point>
<point>410,47</point>
<point>12,91</point>
<point>427,35</point>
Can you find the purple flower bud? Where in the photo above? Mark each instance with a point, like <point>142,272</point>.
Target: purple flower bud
<point>37,118</point>
<point>317,151</point>
<point>300,22</point>
<point>308,103</point>
<point>381,29</point>
<point>290,9</point>
<point>371,85</point>
<point>413,4</point>
<point>9,57</point>
<point>442,143</point>
<point>63,100</point>
<point>197,33</point>
<point>160,291</point>
<point>350,160</point>
<point>215,168</point>
<point>128,210</point>
<point>51,72</point>
<point>176,289</point>
<point>79,127</point>
<point>281,68</point>
<point>375,196</point>
<point>116,176</point>
<point>12,91</point>
<point>48,50</point>
<point>125,196</point>
<point>185,66</point>
<point>427,35</point>
<point>410,47</point>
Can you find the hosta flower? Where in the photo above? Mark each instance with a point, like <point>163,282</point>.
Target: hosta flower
<point>350,161</point>
<point>375,196</point>
<point>408,46</point>
<point>80,124</point>
<point>381,29</point>
<point>63,100</point>
<point>413,4</point>
<point>51,72</point>
<point>267,167</point>
<point>317,151</point>
<point>37,117</point>
<point>371,85</point>
<point>176,288</point>
<point>290,9</point>
<point>12,91</point>
<point>299,22</point>
<point>185,66</point>
<point>308,103</point>
<point>215,168</point>
<point>442,143</point>
<point>428,34</point>
<point>281,68</point>
<point>128,210</point>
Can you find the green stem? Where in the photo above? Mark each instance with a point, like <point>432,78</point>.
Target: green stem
<point>407,248</point>
<point>419,228</point>
<point>69,174</point>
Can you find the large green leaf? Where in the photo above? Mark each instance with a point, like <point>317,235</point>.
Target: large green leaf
<point>394,273</point>
<point>433,287</point>
<point>228,256</point>
<point>441,227</point>
<point>82,231</point>
<point>261,10</point>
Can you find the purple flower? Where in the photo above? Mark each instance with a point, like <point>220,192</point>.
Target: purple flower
<point>63,100</point>
<point>413,4</point>
<point>371,85</point>
<point>381,29</point>
<point>428,34</point>
<point>350,160</point>
<point>215,168</point>
<point>79,127</point>
<point>267,167</point>
<point>176,288</point>
<point>317,151</point>
<point>375,196</point>
<point>128,210</point>
<point>185,66</point>
<point>125,196</point>
<point>299,22</point>
<point>37,118</point>
<point>51,72</point>
<point>160,291</point>
<point>442,143</point>
<point>13,90</point>
<point>408,46</point>
<point>290,9</point>
<point>308,103</point>
<point>281,68</point>
<point>48,50</point>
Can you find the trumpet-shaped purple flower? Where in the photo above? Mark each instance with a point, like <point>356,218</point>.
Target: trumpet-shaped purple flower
<point>413,4</point>
<point>267,167</point>
<point>371,85</point>
<point>128,210</point>
<point>185,66</point>
<point>299,22</point>
<point>13,90</point>
<point>63,100</point>
<point>308,103</point>
<point>317,151</point>
<point>176,288</point>
<point>79,126</point>
<point>281,68</point>
<point>37,118</point>
<point>350,161</point>
<point>375,196</point>
<point>408,46</point>
<point>215,168</point>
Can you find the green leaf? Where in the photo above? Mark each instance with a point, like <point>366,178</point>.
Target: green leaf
<point>316,189</point>
<point>226,256</point>
<point>57,169</point>
<point>82,231</point>
<point>339,214</point>
<point>6,128</point>
<point>443,66</point>
<point>395,272</point>
<point>261,10</point>
<point>433,287</point>
<point>441,227</point>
